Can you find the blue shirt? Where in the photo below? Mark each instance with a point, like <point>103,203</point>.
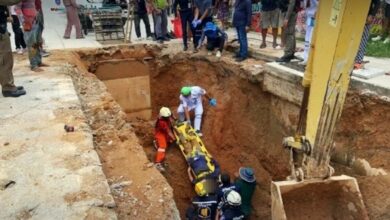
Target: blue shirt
<point>242,13</point>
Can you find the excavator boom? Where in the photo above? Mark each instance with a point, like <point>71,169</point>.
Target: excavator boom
<point>336,39</point>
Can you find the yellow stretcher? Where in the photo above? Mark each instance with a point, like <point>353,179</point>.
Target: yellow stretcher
<point>191,145</point>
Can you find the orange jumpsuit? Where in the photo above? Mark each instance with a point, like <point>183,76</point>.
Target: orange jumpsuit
<point>161,135</point>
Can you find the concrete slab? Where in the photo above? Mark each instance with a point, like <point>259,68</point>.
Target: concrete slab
<point>368,73</point>
<point>46,172</point>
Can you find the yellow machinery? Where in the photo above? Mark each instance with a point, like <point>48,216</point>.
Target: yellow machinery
<point>191,145</point>
<point>311,192</point>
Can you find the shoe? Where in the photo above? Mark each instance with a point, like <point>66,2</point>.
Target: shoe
<point>185,48</point>
<point>45,53</point>
<point>199,133</point>
<point>19,51</point>
<point>149,38</point>
<point>16,93</point>
<point>235,56</point>
<point>166,38</point>
<point>218,55</point>
<point>82,37</point>
<point>303,63</point>
<point>195,50</point>
<point>161,41</point>
<point>138,39</point>
<point>377,38</point>
<point>387,40</point>
<point>284,59</point>
<point>240,59</point>
<point>159,167</point>
<point>19,87</point>
<point>274,45</point>
<point>263,46</point>
<point>209,53</point>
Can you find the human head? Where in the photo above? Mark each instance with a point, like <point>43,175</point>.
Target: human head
<point>200,189</point>
<point>224,178</point>
<point>165,112</point>
<point>247,174</point>
<point>232,197</point>
<point>185,91</point>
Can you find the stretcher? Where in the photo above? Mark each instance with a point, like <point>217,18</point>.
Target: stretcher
<point>191,145</point>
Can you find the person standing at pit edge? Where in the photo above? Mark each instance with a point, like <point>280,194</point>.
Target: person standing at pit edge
<point>186,17</point>
<point>203,14</point>
<point>289,22</point>
<point>242,21</point>
<point>163,135</point>
<point>72,19</point>
<point>191,99</point>
<point>246,182</point>
<point>8,87</point>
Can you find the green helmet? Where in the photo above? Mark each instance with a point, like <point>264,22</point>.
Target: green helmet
<point>186,90</point>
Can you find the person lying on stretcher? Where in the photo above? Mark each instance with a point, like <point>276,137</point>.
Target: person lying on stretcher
<point>202,167</point>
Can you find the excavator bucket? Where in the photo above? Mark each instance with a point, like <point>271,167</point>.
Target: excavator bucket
<point>338,197</point>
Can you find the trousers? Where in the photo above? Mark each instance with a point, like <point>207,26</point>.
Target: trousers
<point>137,21</point>
<point>6,64</point>
<point>73,20</point>
<point>34,45</point>
<point>198,108</point>
<point>289,50</point>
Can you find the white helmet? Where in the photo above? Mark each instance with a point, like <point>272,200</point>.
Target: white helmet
<point>165,112</point>
<point>232,197</point>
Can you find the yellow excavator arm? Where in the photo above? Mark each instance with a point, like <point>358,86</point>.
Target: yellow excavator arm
<point>336,39</point>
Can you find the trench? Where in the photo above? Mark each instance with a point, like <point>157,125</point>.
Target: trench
<point>243,130</point>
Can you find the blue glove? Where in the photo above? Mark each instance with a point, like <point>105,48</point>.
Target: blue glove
<point>195,23</point>
<point>213,102</point>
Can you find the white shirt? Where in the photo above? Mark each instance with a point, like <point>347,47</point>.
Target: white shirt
<point>194,98</point>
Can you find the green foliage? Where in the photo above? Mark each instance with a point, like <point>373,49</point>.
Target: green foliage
<point>378,49</point>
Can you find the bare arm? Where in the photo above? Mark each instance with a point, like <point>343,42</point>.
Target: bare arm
<point>196,13</point>
<point>205,14</point>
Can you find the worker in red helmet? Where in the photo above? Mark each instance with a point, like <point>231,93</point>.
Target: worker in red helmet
<point>163,135</point>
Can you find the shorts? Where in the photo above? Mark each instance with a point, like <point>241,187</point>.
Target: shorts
<point>270,19</point>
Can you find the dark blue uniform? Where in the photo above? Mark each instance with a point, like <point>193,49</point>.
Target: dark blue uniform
<point>186,16</point>
<point>203,208</point>
<point>222,189</point>
<point>231,213</point>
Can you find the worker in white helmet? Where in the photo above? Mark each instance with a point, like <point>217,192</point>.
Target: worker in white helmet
<point>191,99</point>
<point>163,135</point>
<point>229,207</point>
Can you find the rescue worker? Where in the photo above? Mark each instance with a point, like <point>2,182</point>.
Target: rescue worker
<point>72,19</point>
<point>215,38</point>
<point>229,208</point>
<point>203,14</point>
<point>163,135</point>
<point>191,99</point>
<point>8,87</point>
<point>203,205</point>
<point>225,185</point>
<point>246,182</point>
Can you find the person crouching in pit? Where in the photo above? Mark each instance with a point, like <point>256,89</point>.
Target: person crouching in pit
<point>215,38</point>
<point>163,135</point>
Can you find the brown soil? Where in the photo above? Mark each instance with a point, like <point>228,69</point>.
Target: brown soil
<point>241,131</point>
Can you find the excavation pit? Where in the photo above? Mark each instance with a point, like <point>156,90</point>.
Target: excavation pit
<point>245,129</point>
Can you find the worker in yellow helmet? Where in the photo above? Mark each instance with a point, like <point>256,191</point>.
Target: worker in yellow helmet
<point>204,205</point>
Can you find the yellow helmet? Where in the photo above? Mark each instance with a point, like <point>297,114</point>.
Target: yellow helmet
<point>165,112</point>
<point>200,189</point>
